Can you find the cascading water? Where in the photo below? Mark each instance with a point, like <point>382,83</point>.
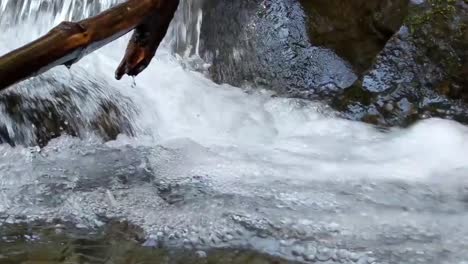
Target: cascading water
<point>216,166</point>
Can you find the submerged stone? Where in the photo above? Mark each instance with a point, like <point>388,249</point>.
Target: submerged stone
<point>117,243</point>
<point>38,110</point>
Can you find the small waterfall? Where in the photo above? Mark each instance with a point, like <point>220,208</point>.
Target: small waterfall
<point>214,166</point>
<point>186,29</point>
<point>184,34</point>
<point>79,104</point>
<point>15,11</point>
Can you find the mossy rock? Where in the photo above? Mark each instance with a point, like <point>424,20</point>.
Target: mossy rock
<point>421,72</point>
<point>356,30</point>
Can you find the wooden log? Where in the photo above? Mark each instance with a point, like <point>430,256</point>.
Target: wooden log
<point>70,41</point>
<point>145,40</point>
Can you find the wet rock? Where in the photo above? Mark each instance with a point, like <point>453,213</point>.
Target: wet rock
<point>316,49</point>
<point>115,243</point>
<point>307,49</point>
<point>266,43</point>
<point>421,72</point>
<point>36,111</point>
<point>356,30</point>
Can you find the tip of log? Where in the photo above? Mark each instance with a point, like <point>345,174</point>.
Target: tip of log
<point>135,61</point>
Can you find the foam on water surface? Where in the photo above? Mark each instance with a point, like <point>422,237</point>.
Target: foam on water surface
<point>219,166</point>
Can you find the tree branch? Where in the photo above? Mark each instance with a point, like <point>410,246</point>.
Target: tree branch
<point>70,41</point>
<point>145,40</point>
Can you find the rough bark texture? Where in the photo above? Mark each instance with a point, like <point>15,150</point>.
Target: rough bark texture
<point>70,41</point>
<point>146,39</point>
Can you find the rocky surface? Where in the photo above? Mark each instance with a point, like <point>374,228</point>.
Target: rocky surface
<point>32,116</point>
<point>117,242</point>
<point>421,72</point>
<point>266,43</point>
<point>383,62</point>
<point>356,30</point>
<point>309,49</point>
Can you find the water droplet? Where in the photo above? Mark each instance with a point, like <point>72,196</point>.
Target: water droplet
<point>133,82</point>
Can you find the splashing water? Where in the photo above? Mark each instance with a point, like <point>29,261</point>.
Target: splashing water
<point>217,166</point>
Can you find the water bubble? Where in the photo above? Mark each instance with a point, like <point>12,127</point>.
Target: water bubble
<point>324,254</point>
<point>150,243</point>
<point>201,254</point>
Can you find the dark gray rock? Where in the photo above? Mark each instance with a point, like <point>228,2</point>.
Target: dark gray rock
<point>356,30</point>
<point>38,110</point>
<point>422,71</point>
<point>266,43</point>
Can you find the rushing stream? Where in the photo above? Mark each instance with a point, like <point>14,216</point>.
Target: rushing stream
<point>214,166</point>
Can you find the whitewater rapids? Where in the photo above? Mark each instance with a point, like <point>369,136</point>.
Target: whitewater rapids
<point>220,166</point>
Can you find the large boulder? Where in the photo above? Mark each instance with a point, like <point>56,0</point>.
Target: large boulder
<point>387,62</point>
<point>299,48</point>
<point>422,71</point>
<point>266,43</point>
<point>356,30</point>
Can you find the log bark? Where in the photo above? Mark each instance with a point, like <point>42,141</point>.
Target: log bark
<point>146,39</point>
<point>70,41</point>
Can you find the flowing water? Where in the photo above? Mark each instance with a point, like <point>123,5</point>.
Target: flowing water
<point>214,166</point>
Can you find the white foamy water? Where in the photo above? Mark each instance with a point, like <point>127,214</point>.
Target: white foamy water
<point>217,166</point>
